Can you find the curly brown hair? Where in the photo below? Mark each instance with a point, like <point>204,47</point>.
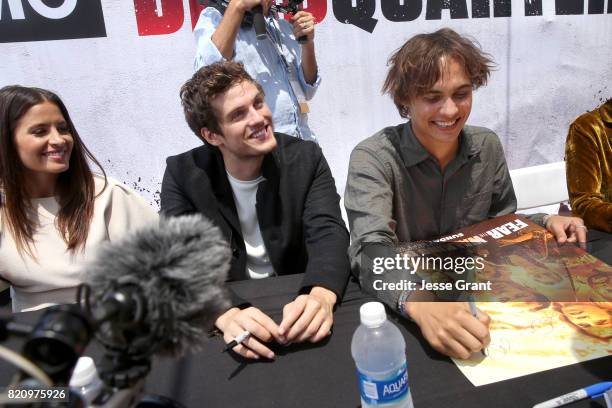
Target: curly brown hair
<point>419,64</point>
<point>207,83</point>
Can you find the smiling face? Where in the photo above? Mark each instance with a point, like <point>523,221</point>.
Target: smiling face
<point>44,143</point>
<point>439,114</point>
<point>245,124</point>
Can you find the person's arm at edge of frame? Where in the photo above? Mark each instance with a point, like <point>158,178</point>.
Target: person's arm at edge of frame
<point>304,25</point>
<point>585,194</point>
<point>310,316</point>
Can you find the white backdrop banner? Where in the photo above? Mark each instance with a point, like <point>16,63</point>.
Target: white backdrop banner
<point>119,64</point>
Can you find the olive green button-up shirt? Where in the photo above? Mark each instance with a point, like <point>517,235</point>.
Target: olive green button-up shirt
<point>396,192</point>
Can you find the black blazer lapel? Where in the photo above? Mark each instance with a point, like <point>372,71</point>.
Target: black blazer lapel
<point>211,162</point>
<point>270,210</point>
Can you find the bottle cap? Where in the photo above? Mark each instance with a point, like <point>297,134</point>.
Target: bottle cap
<point>84,372</point>
<point>372,314</point>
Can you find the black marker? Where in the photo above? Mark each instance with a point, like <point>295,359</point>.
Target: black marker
<point>237,340</point>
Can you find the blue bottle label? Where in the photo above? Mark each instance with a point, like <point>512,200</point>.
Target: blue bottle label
<point>388,390</point>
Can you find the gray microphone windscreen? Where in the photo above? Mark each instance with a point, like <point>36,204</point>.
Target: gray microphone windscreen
<point>179,265</point>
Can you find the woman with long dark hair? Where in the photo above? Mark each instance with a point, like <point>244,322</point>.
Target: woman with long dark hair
<point>54,212</point>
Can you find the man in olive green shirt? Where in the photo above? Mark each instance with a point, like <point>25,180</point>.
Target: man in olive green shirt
<point>431,176</point>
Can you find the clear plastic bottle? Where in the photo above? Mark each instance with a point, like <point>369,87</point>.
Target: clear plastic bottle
<point>85,380</point>
<point>379,351</point>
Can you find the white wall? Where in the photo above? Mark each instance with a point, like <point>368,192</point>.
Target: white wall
<point>122,89</point>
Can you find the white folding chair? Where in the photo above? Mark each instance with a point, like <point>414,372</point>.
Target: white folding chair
<point>540,188</point>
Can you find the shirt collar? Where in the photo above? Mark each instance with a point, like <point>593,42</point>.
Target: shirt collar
<point>413,152</point>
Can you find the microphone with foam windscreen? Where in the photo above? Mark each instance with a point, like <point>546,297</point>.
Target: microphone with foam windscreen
<point>156,291</point>
<point>160,289</point>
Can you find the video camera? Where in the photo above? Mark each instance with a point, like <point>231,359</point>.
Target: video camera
<point>155,292</point>
<point>56,341</point>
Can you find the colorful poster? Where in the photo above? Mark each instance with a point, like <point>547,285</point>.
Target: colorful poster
<point>565,311</point>
<point>530,337</point>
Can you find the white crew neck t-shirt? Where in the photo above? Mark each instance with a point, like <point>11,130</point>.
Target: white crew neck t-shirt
<point>245,196</point>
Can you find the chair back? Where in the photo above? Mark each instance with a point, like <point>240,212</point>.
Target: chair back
<point>539,186</point>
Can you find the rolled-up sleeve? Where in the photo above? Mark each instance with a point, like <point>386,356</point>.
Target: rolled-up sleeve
<point>206,51</point>
<point>295,48</point>
<point>309,89</point>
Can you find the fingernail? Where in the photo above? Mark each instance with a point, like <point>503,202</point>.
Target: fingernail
<point>281,330</point>
<point>271,356</point>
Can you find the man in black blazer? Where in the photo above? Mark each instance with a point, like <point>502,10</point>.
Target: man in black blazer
<point>272,196</point>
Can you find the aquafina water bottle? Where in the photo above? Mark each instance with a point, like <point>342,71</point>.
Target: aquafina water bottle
<point>379,351</point>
